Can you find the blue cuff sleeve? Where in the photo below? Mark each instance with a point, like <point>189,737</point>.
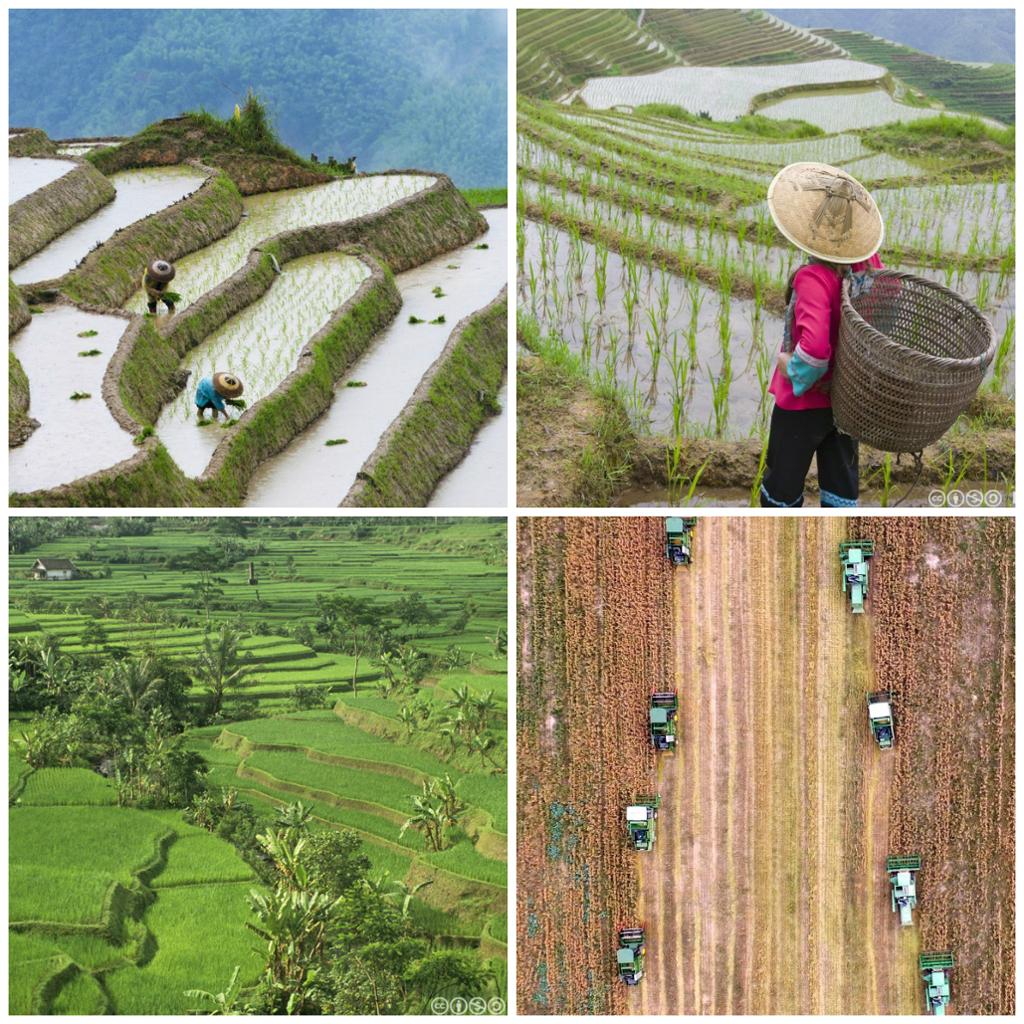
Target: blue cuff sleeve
<point>802,374</point>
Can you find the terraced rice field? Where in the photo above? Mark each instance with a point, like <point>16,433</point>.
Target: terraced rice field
<point>139,194</point>
<point>645,252</point>
<point>271,213</point>
<point>75,436</point>
<point>778,809</point>
<point>28,173</point>
<point>351,760</point>
<point>261,345</point>
<point>724,93</point>
<point>987,90</point>
<point>310,471</point>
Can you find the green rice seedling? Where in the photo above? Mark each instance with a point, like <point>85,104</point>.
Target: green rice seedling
<point>952,479</point>
<point>482,245</point>
<point>451,266</point>
<point>331,442</point>
<point>91,352</point>
<point>437,291</point>
<point>999,364</point>
<point>886,480</point>
<point>681,488</point>
<point>87,334</point>
<point>78,396</point>
<point>438,319</point>
<point>762,462</point>
<point>416,320</point>
<point>355,384</point>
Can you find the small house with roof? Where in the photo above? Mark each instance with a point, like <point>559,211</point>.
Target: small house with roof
<point>54,569</point>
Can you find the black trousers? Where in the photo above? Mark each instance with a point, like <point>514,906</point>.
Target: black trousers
<point>795,437</point>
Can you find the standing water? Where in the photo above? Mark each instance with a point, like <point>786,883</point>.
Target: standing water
<point>139,194</point>
<point>28,173</point>
<point>271,213</point>
<point>74,438</point>
<point>309,471</point>
<point>261,345</point>
<point>480,480</point>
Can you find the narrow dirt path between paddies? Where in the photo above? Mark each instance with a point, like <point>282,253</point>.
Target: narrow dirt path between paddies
<point>942,607</point>
<point>766,892</point>
<point>593,606</point>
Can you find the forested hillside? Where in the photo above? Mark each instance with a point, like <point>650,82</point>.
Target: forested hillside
<point>416,89</point>
<point>957,34</point>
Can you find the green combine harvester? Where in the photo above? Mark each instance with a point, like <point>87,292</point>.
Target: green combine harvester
<point>902,873</point>
<point>880,718</point>
<point>935,970</point>
<point>640,818</point>
<point>679,539</point>
<point>663,710</point>
<point>854,556</point>
<point>631,955</point>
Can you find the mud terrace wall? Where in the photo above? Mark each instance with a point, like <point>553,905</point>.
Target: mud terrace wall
<point>435,430</point>
<point>30,142</point>
<point>17,309</point>
<point>111,273</point>
<point>37,219</point>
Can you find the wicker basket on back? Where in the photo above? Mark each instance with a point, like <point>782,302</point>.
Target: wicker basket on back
<point>911,356</point>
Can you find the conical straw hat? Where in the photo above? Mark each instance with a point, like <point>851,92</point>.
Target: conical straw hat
<point>825,212</point>
<point>227,384</point>
<point>161,271</point>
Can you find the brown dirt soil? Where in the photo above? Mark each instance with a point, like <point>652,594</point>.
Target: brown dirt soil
<point>944,624</point>
<point>593,605</point>
<point>766,892</point>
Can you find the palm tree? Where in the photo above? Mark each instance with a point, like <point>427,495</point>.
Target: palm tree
<point>409,721</point>
<point>428,819</point>
<point>449,729</point>
<point>218,666</point>
<point>402,889</point>
<point>483,708</point>
<point>483,745</point>
<point>445,790</point>
<point>137,680</point>
<point>224,1004</point>
<point>294,817</point>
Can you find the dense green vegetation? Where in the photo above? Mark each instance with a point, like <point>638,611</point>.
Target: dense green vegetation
<point>254,761</point>
<point>395,89</point>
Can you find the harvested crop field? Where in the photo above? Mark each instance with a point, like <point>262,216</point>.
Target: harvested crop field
<point>766,890</point>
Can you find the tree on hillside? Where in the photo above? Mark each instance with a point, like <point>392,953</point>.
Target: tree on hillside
<point>500,641</point>
<point>482,746</point>
<point>428,818</point>
<point>137,681</point>
<point>218,666</point>
<point>208,591</point>
<point>350,625</point>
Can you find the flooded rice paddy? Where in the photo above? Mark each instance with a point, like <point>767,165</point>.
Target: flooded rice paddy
<point>139,194</point>
<point>29,173</point>
<point>270,213</point>
<point>843,109</point>
<point>480,480</point>
<point>688,358</point>
<point>310,472</point>
<point>261,345</point>
<point>724,92</point>
<point>74,438</point>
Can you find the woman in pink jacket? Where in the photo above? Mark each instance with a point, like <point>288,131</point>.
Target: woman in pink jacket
<point>831,217</point>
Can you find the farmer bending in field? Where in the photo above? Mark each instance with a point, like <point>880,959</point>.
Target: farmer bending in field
<point>155,279</point>
<point>216,392</point>
<point>832,218</point>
